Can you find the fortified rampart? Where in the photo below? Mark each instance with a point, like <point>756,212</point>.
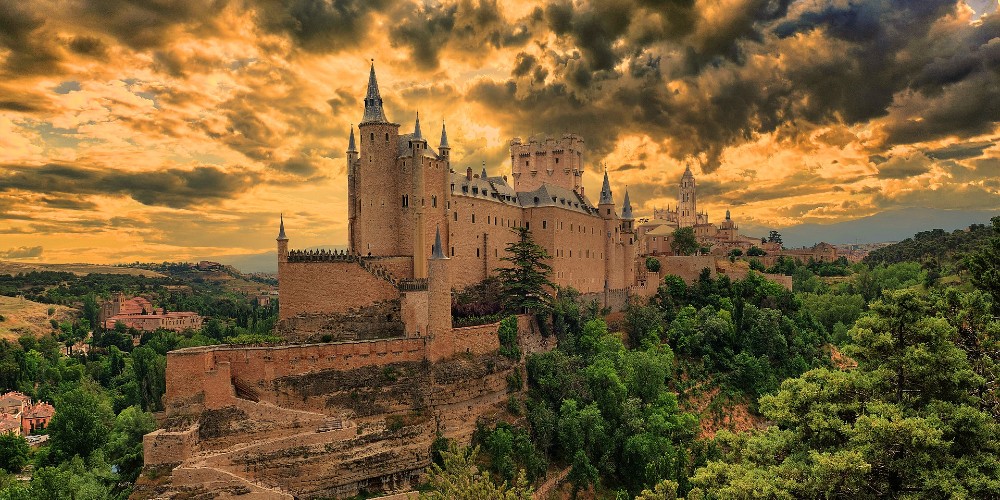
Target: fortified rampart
<point>325,420</point>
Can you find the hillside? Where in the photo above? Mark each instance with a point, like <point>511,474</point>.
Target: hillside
<point>13,268</point>
<point>24,316</point>
<point>936,244</point>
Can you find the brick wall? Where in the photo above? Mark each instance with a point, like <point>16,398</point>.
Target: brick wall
<point>687,267</point>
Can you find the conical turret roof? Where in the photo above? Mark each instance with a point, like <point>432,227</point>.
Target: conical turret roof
<point>627,208</point>
<point>351,148</point>
<point>281,229</point>
<point>437,252</point>
<point>444,138</point>
<point>373,101</point>
<point>416,128</point>
<point>606,191</point>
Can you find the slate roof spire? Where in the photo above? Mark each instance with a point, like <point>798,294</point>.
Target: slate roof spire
<point>281,229</point>
<point>416,128</point>
<point>627,208</point>
<point>483,175</point>
<point>606,190</point>
<point>444,137</point>
<point>436,252</point>
<point>351,148</point>
<point>373,101</point>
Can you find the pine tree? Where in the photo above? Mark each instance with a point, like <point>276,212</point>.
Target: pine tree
<point>526,283</point>
<point>984,266</point>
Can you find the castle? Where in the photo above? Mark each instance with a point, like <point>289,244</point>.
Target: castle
<point>373,370</point>
<point>403,195</point>
<point>139,313</point>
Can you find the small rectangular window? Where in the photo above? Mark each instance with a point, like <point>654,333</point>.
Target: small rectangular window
<point>544,224</point>
<point>456,216</point>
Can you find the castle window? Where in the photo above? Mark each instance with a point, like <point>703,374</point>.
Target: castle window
<point>386,137</point>
<point>557,160</point>
<point>473,218</point>
<point>406,200</point>
<point>452,251</point>
<point>456,216</point>
<point>527,163</point>
<point>434,200</point>
<point>477,252</point>
<point>373,137</point>
<point>527,225</point>
<point>545,223</point>
<point>609,211</point>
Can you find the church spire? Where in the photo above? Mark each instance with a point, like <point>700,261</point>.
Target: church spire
<point>351,148</point>
<point>281,229</point>
<point>373,101</point>
<point>416,128</point>
<point>444,137</point>
<point>606,191</point>
<point>627,208</point>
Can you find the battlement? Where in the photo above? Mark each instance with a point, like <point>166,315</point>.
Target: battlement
<point>322,256</point>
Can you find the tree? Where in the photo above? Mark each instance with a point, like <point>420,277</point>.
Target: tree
<point>756,252</point>
<point>774,237</point>
<point>984,266</point>
<point>124,447</point>
<point>14,452</point>
<point>460,479</point>
<point>80,425</point>
<point>684,242</point>
<point>150,370</point>
<point>906,423</point>
<point>526,283</point>
<point>652,264</point>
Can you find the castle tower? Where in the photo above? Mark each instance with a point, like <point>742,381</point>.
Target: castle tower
<point>606,207</point>
<point>352,189</point>
<point>440,343</point>
<point>687,208</point>
<point>377,190</point>
<point>629,240</point>
<point>282,241</point>
<point>607,201</point>
<point>416,201</point>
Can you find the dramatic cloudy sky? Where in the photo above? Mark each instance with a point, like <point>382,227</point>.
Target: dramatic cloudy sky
<point>173,129</point>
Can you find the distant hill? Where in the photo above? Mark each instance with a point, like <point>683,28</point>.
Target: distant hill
<point>936,244</point>
<point>893,225</point>
<point>13,268</point>
<point>22,316</point>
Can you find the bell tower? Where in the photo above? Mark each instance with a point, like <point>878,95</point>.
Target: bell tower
<point>687,208</point>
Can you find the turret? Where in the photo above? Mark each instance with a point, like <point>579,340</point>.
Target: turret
<point>282,241</point>
<point>352,188</point>
<point>627,217</point>
<point>444,149</point>
<point>373,101</point>
<point>440,343</point>
<point>607,201</point>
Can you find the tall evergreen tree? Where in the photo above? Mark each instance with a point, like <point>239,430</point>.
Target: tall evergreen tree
<point>984,266</point>
<point>684,242</point>
<point>526,283</point>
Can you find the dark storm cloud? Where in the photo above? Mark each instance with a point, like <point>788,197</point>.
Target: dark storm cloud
<point>88,46</point>
<point>959,151</point>
<point>22,32</point>
<point>143,24</point>
<point>321,25</point>
<point>904,167</point>
<point>21,253</point>
<point>170,187</point>
<point>466,25</point>
<point>873,51</point>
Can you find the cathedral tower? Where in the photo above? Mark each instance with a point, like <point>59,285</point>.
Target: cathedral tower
<point>687,209</point>
<point>376,191</point>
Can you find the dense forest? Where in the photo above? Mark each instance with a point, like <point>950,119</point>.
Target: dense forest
<point>872,380</point>
<point>876,380</point>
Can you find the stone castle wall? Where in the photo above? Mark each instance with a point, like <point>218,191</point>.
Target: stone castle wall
<point>328,287</point>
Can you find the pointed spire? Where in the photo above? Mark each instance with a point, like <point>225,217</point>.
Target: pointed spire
<point>444,137</point>
<point>281,229</point>
<point>483,175</point>
<point>373,101</point>
<point>351,148</point>
<point>727,214</point>
<point>606,190</point>
<point>627,208</point>
<point>436,252</point>
<point>416,128</point>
